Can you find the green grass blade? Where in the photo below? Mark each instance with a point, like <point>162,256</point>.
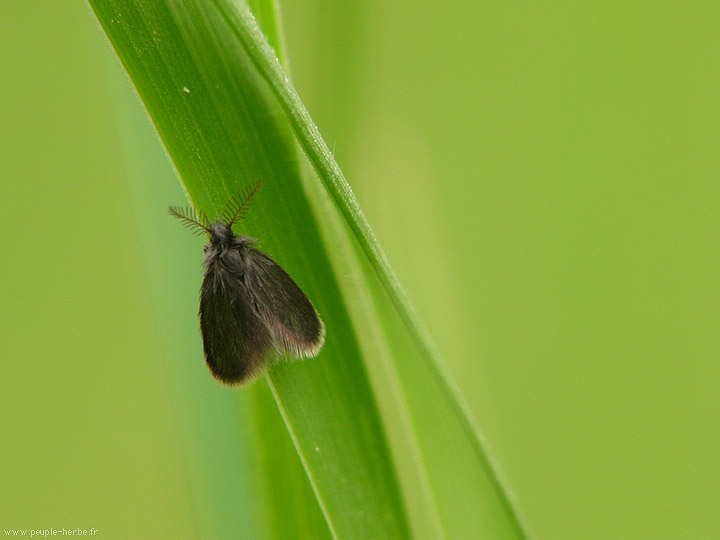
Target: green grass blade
<point>223,131</point>
<point>435,379</point>
<point>451,494</point>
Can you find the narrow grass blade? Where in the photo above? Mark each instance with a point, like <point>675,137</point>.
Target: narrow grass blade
<point>223,131</point>
<point>483,477</point>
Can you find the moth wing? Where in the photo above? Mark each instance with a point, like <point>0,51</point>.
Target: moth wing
<point>293,321</point>
<point>235,340</point>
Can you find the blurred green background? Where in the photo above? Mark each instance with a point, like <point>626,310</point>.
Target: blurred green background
<point>544,180</point>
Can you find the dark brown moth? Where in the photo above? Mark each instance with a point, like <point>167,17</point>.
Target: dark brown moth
<point>249,306</point>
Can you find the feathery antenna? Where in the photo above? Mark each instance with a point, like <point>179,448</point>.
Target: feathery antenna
<point>238,205</point>
<point>197,223</point>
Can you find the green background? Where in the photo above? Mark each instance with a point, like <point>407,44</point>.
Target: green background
<point>543,178</point>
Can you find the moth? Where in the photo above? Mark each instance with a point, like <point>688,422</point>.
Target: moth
<point>250,309</point>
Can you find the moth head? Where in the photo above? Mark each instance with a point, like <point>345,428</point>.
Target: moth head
<point>220,233</point>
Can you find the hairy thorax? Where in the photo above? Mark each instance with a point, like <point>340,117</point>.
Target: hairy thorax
<point>226,248</point>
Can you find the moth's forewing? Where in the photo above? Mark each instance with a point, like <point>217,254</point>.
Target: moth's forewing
<point>235,340</point>
<point>294,323</point>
